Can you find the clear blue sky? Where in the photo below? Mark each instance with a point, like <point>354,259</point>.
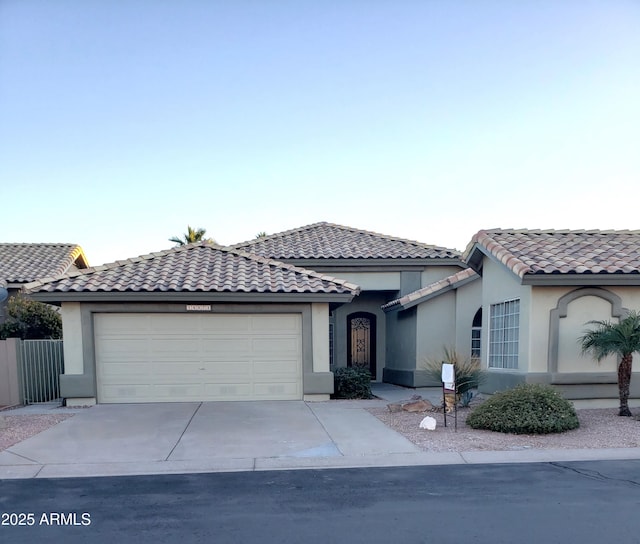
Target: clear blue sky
<point>122,122</point>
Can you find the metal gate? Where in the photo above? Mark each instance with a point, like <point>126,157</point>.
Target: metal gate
<point>40,363</point>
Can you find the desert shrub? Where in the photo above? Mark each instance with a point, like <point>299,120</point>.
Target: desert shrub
<point>352,383</point>
<point>525,409</point>
<point>468,373</point>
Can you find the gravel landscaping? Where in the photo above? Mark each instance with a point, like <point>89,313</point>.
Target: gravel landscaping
<point>599,428</point>
<point>17,428</point>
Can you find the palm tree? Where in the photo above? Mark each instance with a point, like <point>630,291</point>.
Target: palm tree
<point>191,236</point>
<point>621,339</point>
<point>261,234</point>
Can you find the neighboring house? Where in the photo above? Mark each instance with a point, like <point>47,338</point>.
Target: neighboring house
<point>195,323</point>
<point>384,267</point>
<point>24,263</point>
<point>525,300</point>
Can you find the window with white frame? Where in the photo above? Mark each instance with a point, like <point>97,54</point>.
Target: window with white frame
<point>504,334</point>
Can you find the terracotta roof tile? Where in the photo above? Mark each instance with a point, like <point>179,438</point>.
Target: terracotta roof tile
<point>562,251</point>
<point>195,267</point>
<point>330,241</point>
<point>22,263</point>
<point>450,282</point>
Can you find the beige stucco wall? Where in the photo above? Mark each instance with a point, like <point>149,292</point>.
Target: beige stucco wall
<point>501,285</point>
<point>320,336</point>
<point>72,334</point>
<point>370,281</point>
<point>436,327</point>
<point>571,327</point>
<point>468,302</point>
<point>579,312</point>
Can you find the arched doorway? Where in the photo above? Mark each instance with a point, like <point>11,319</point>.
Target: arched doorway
<point>361,341</point>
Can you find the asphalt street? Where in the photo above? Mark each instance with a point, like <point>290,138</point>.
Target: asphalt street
<point>586,502</point>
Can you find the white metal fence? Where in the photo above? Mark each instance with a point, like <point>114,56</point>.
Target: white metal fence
<point>40,363</point>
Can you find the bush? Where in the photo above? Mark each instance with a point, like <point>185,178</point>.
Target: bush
<point>29,319</point>
<point>352,383</point>
<point>525,409</point>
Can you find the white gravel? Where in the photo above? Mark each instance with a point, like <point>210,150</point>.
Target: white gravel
<point>599,428</point>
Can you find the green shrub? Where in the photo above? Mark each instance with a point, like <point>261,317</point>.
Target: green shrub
<point>352,383</point>
<point>29,319</point>
<point>525,409</point>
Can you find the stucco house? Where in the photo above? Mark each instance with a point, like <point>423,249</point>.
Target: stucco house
<point>271,318</point>
<point>264,319</point>
<point>24,263</point>
<point>524,301</point>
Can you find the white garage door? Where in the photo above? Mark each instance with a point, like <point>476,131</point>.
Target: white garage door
<point>198,357</point>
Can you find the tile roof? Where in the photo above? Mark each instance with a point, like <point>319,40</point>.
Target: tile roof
<point>429,291</point>
<point>200,267</point>
<point>329,241</point>
<point>22,263</point>
<point>540,252</point>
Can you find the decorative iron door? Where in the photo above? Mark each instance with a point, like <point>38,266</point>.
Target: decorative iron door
<point>361,340</point>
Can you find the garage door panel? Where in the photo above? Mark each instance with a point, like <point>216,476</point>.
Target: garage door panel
<point>222,346</point>
<point>125,324</point>
<point>284,323</point>
<point>268,390</point>
<point>275,368</point>
<point>167,323</point>
<point>276,345</point>
<point>125,370</point>
<point>184,357</point>
<point>229,391</point>
<point>116,347</point>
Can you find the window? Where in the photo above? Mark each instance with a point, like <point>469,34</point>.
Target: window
<point>504,327</point>
<point>476,335</point>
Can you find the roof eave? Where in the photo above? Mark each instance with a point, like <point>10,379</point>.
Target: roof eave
<point>581,279</point>
<point>429,296</point>
<point>361,263</point>
<point>191,296</point>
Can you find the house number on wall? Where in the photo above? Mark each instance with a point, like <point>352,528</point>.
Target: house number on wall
<point>198,307</point>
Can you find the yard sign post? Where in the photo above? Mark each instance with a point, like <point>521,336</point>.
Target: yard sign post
<point>449,386</point>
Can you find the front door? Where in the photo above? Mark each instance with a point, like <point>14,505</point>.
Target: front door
<point>361,340</point>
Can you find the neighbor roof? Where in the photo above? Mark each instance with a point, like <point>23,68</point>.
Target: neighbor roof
<point>196,268</point>
<point>545,253</point>
<point>22,263</point>
<point>329,241</point>
<point>432,290</point>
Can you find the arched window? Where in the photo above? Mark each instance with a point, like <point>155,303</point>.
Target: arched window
<point>476,335</point>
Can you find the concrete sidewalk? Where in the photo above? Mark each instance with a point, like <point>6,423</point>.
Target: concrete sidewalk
<point>108,440</point>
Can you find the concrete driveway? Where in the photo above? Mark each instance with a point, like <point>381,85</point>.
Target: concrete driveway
<point>192,437</point>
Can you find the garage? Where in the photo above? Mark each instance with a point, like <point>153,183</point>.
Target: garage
<point>204,357</point>
<point>195,323</point>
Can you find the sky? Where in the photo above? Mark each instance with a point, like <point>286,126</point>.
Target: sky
<point>123,122</point>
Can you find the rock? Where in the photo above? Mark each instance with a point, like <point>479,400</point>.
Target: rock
<point>394,407</point>
<point>417,406</point>
<point>428,423</point>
